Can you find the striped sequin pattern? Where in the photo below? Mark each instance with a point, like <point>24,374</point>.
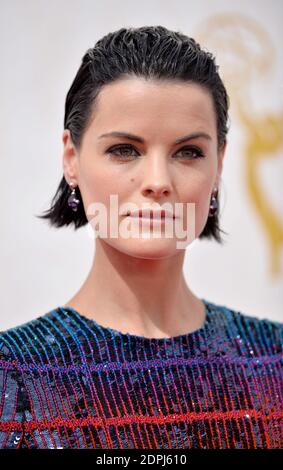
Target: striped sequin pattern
<point>68,382</point>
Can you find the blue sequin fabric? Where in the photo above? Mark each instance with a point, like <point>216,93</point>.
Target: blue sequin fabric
<point>68,382</point>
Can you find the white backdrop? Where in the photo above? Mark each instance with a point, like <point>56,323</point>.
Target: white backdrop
<point>42,44</point>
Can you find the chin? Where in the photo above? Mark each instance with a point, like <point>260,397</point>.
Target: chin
<point>146,248</point>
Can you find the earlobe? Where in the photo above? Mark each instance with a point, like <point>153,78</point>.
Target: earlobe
<point>69,157</point>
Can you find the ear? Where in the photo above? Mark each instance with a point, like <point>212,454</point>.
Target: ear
<point>70,158</point>
<point>221,153</point>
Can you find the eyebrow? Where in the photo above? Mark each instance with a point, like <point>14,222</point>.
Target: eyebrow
<point>141,140</point>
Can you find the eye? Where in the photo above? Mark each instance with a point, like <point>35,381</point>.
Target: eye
<point>190,152</point>
<point>126,149</point>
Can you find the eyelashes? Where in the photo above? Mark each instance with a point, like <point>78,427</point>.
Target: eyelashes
<point>190,149</point>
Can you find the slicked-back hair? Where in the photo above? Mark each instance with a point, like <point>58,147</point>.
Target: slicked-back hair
<point>150,52</point>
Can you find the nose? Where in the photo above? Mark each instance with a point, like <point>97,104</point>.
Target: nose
<point>157,181</point>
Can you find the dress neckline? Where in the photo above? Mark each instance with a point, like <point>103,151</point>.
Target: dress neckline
<point>77,316</point>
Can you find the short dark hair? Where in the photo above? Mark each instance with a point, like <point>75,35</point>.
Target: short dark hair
<point>153,52</point>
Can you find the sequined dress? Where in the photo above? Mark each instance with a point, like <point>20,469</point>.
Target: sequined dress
<point>68,382</point>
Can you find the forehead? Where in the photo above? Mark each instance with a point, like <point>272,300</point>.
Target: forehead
<point>151,104</point>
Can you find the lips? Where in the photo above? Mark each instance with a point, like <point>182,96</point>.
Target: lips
<point>151,214</point>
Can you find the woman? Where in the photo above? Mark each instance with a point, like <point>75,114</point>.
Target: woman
<point>135,359</point>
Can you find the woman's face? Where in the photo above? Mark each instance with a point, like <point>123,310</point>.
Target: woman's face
<point>154,170</point>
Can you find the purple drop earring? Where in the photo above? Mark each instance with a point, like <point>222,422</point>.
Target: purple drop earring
<point>213,208</point>
<point>73,201</point>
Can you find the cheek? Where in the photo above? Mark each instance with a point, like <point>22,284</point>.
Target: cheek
<point>197,190</point>
<point>98,182</point>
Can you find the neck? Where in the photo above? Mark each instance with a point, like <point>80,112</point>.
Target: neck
<point>147,297</point>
